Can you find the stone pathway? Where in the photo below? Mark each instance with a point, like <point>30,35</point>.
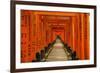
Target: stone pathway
<point>57,53</point>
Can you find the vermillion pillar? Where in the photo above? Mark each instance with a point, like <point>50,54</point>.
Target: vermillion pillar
<point>86,36</point>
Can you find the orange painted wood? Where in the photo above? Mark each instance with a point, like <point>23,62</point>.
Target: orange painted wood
<point>79,37</point>
<point>39,28</point>
<point>86,36</point>
<point>82,37</point>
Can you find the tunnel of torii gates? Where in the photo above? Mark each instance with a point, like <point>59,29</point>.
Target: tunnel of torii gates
<point>39,28</point>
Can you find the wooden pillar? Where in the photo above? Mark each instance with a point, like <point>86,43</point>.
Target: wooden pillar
<point>87,36</point>
<point>82,37</point>
<point>79,37</point>
<point>31,37</point>
<point>37,33</point>
<point>40,33</point>
<point>73,33</point>
<point>67,31</point>
<point>76,37</point>
<point>23,38</point>
<point>44,30</point>
<point>42,26</point>
<point>69,34</point>
<point>26,36</point>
